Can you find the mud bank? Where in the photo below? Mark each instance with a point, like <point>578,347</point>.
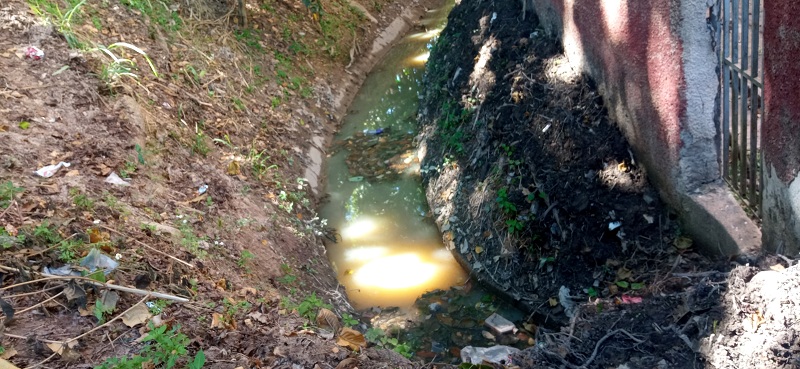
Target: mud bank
<point>538,195</point>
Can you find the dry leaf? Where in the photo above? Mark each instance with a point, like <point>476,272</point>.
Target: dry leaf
<point>217,320</point>
<point>259,317</point>
<point>777,267</point>
<point>623,274</point>
<point>683,243</point>
<point>326,318</point>
<point>234,168</point>
<point>352,339</point>
<point>6,365</point>
<point>95,236</point>
<point>8,353</point>
<point>139,314</point>
<point>478,249</point>
<point>59,348</point>
<point>72,173</point>
<point>11,230</point>
<point>348,363</point>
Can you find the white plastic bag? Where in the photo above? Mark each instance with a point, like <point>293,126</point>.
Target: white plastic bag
<point>49,170</point>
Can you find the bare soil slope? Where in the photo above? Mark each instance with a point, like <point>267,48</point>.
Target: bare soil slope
<point>207,117</point>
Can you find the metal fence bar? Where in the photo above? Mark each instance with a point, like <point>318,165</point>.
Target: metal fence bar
<point>726,94</point>
<point>741,90</point>
<point>734,178</point>
<point>755,105</point>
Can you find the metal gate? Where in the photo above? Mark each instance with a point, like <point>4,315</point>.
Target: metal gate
<point>742,104</point>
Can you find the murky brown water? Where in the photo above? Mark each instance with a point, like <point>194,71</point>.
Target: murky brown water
<point>390,252</point>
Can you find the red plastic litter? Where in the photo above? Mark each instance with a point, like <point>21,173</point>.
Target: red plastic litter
<point>34,53</point>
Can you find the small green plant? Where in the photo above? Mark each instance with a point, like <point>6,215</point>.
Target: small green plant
<point>249,37</point>
<point>163,349</point>
<point>158,12</point>
<point>8,241</point>
<point>275,102</point>
<point>7,193</point>
<point>310,305</point>
<point>46,235</point>
<point>190,240</point>
<point>349,320</point>
<point>81,201</point>
<point>288,277</point>
<point>101,310</point>
<point>157,307</point>
<point>233,308</point>
<point>503,202</point>
<point>453,116</point>
<point>244,258</point>
<point>514,225</point>
<point>259,163</point>
<point>237,102</point>
<point>69,250</point>
<point>379,338</point>
<point>118,67</point>
<point>196,75</point>
<point>63,21</point>
<point>199,145</point>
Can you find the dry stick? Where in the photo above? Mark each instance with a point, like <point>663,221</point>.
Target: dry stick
<point>149,247</point>
<point>27,338</point>
<point>31,293</point>
<point>135,291</point>
<point>108,322</point>
<point>596,349</point>
<point>39,304</point>
<point>43,361</point>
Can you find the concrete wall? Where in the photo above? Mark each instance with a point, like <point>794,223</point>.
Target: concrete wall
<point>781,127</point>
<point>656,66</point>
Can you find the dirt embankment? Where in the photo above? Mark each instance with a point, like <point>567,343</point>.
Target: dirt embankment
<point>206,115</point>
<point>539,196</point>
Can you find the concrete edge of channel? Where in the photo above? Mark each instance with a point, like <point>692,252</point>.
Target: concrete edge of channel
<point>717,223</point>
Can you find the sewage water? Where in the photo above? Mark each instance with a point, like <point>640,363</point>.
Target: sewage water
<point>389,251</point>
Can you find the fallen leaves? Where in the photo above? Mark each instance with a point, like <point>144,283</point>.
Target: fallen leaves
<point>351,339</point>
<point>326,318</point>
<point>138,314</point>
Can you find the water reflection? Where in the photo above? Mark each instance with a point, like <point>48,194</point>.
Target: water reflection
<point>389,252</point>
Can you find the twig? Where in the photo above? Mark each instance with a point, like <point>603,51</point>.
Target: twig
<point>151,248</point>
<point>39,304</point>
<point>108,322</point>
<point>43,361</point>
<point>699,274</point>
<point>135,291</point>
<point>27,338</point>
<point>31,293</point>
<point>596,349</point>
<point>13,203</point>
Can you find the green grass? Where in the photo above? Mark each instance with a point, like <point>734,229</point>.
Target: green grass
<point>163,349</point>
<point>8,193</point>
<point>159,12</point>
<point>63,18</point>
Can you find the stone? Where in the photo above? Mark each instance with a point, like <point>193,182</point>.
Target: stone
<point>499,325</point>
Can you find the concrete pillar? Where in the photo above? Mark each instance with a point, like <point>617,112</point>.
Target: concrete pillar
<point>781,127</point>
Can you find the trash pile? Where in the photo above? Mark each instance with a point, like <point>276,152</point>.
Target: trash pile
<point>456,326</point>
<point>379,154</point>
